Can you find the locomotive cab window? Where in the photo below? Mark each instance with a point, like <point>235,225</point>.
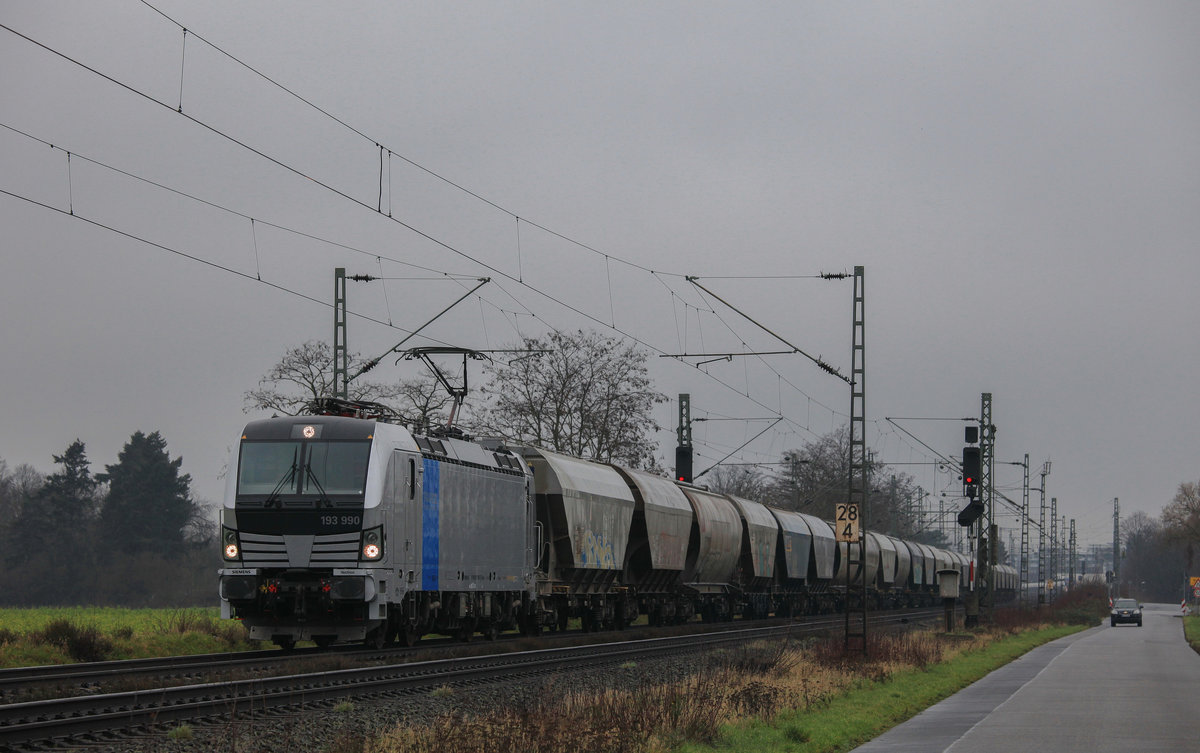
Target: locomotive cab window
<point>314,468</point>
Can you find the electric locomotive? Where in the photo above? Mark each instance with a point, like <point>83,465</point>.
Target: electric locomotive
<point>338,528</point>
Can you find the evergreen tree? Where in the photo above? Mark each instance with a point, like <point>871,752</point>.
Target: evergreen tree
<point>149,504</point>
<point>47,551</point>
<point>55,517</point>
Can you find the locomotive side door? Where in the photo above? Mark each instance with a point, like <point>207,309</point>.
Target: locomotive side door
<point>406,516</point>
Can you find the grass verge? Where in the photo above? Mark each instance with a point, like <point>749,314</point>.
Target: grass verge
<point>31,637</point>
<point>785,695</point>
<point>1191,631</point>
<point>870,708</point>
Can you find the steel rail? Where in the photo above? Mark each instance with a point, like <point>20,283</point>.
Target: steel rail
<point>41,722</point>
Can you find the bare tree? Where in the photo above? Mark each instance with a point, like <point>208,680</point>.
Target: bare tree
<point>816,477</point>
<point>15,487</point>
<point>739,481</point>
<point>588,395</point>
<point>423,403</point>
<point>305,373</point>
<point>1181,519</point>
<point>1182,515</point>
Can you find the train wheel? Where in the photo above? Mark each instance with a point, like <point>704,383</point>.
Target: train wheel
<point>287,644</point>
<point>324,641</point>
<point>491,631</point>
<point>466,632</point>
<point>409,635</point>
<point>530,628</point>
<point>377,638</point>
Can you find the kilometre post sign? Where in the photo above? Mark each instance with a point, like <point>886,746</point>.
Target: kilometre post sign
<point>846,518</point>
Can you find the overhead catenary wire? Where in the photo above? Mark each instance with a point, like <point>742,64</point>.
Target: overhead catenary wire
<point>519,279</point>
<point>257,221</point>
<point>821,363</point>
<point>194,258</point>
<point>432,173</point>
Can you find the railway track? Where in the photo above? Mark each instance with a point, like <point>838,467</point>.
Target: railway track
<point>41,724</point>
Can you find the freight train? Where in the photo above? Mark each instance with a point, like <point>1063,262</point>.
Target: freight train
<point>352,528</point>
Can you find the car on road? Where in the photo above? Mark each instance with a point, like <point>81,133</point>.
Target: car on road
<point>1126,610</point>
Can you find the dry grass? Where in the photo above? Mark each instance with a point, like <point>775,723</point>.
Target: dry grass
<point>751,682</point>
<point>754,682</point>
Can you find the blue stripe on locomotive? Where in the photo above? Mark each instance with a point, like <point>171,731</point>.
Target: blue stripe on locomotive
<point>430,550</point>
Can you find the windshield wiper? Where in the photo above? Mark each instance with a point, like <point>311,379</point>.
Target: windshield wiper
<point>273,498</point>
<point>324,499</point>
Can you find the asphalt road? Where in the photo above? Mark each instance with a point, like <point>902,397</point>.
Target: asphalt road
<point>1106,689</point>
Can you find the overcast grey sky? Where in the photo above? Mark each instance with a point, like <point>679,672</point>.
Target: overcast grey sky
<point>1021,182</point>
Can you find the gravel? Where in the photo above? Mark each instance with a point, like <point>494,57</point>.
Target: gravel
<point>339,729</point>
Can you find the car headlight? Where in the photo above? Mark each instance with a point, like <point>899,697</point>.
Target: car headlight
<point>231,548</point>
<point>372,544</point>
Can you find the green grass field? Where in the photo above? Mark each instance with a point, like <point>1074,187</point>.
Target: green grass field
<point>59,635</point>
<point>1191,630</point>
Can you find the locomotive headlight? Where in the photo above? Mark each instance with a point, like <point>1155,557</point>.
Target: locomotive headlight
<point>230,539</point>
<point>372,544</point>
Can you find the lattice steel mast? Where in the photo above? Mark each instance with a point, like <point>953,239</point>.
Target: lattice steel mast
<point>987,527</point>
<point>1025,534</point>
<point>856,582</point>
<point>341,355</point>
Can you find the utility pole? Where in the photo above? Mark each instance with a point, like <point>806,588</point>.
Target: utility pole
<point>988,530</point>
<point>341,355</point>
<point>1053,581</point>
<point>1116,547</point>
<point>1042,563</point>
<point>942,517</point>
<point>1071,571</point>
<point>1025,534</point>
<point>856,551</point>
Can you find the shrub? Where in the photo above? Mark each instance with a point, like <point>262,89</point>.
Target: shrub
<point>182,732</point>
<point>81,642</point>
<point>776,658</point>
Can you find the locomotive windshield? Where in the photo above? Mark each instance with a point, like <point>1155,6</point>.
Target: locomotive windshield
<point>315,468</point>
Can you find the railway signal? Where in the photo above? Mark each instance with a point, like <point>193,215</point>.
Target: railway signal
<point>683,464</point>
<point>970,479</point>
<point>971,512</point>
<point>971,468</point>
<point>683,451</point>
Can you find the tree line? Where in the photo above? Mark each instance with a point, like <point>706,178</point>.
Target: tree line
<point>1158,554</point>
<point>588,395</point>
<point>134,535</point>
<point>131,535</point>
